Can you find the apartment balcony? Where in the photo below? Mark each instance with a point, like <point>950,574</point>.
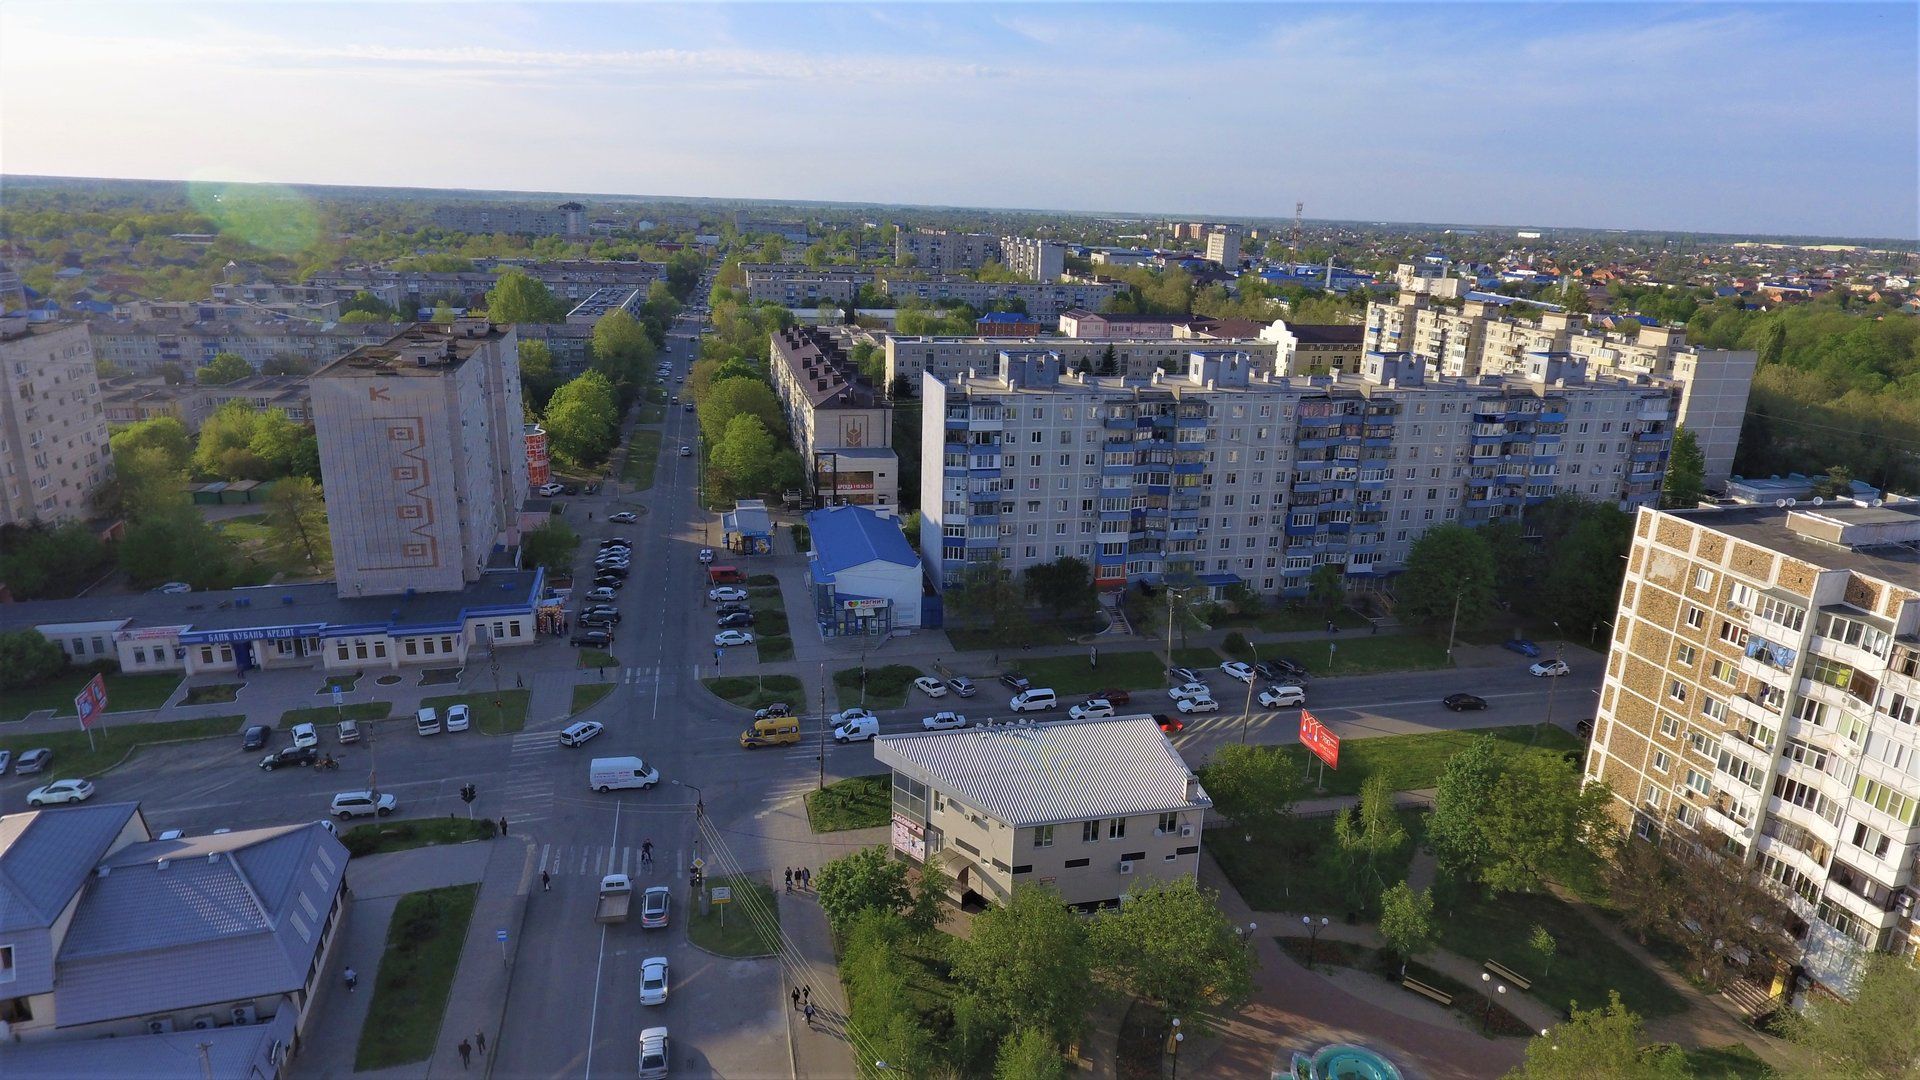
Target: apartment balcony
<point>1719,813</point>
<point>1748,709</point>
<point>1828,832</point>
<point>1758,757</point>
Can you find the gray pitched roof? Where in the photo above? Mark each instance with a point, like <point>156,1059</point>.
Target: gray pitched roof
<point>46,855</point>
<point>239,1052</point>
<point>1039,774</point>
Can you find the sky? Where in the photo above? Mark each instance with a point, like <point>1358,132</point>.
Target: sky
<point>1760,119</point>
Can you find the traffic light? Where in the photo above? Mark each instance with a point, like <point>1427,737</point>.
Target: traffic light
<point>468,793</point>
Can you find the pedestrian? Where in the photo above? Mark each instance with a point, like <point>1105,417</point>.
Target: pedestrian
<point>796,999</point>
<point>589,515</point>
<point>480,1041</point>
<point>806,995</point>
<point>806,878</point>
<point>546,880</point>
<point>353,979</point>
<point>503,824</point>
<point>517,684</point>
<point>789,879</point>
<point>646,853</point>
<point>809,1013</point>
<point>466,1053</point>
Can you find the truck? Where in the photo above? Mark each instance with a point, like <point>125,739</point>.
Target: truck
<point>616,896</point>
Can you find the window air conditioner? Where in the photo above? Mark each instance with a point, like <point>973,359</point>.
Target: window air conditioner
<point>1126,866</point>
<point>1186,830</point>
<point>159,1027</point>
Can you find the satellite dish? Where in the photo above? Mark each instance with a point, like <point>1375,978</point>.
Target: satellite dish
<point>1780,503</point>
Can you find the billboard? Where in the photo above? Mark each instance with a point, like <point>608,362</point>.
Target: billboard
<point>91,701</point>
<point>1324,744</point>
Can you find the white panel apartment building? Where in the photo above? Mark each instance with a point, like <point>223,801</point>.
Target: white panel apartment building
<point>1136,358</point>
<point>144,348</point>
<point>53,426</point>
<point>1477,339</point>
<point>799,285</point>
<point>1043,299</point>
<point>1037,260</point>
<point>422,446</point>
<point>1763,696</point>
<point>942,251</point>
<point>1234,475</point>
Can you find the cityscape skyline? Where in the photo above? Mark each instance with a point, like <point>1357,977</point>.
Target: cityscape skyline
<point>1693,131</point>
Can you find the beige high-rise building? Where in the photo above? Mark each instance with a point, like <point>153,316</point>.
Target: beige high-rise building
<point>841,423</point>
<point>53,427</point>
<point>1223,247</point>
<point>1762,696</point>
<point>423,454</point>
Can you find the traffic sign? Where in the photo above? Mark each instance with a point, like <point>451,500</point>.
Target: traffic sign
<point>500,934</point>
<point>336,694</point>
<point>699,864</point>
<point>722,894</point>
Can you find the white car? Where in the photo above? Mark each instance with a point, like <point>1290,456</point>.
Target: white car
<point>686,451</point>
<point>930,686</point>
<point>350,804</point>
<point>305,735</point>
<point>1190,690</point>
<point>1549,668</point>
<point>654,1051</point>
<point>848,716</point>
<point>603,594</point>
<point>1280,697</point>
<point>624,517</point>
<point>726,593</point>
<point>550,490</point>
<point>653,980</point>
<point>732,637</point>
<point>175,588</point>
<point>61,791</point>
<point>1243,672</point>
<point>706,556</point>
<point>1092,710</point>
<point>457,718</point>
<point>580,731</point>
<point>1199,704</point>
<point>942,721</point>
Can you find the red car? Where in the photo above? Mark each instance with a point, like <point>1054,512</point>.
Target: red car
<point>1172,725</point>
<point>1116,698</point>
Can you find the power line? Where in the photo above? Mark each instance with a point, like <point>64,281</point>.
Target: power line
<point>1833,427</point>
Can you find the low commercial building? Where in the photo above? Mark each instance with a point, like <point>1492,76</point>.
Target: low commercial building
<point>1089,808</point>
<point>53,425</point>
<point>747,529</point>
<point>116,943</point>
<point>1101,326</point>
<point>866,577</point>
<point>842,424</point>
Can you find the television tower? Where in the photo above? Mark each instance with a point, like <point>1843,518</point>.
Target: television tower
<point>1299,208</point>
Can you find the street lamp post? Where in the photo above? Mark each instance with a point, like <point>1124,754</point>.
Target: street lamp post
<point>1486,1019</point>
<point>1553,683</point>
<point>1455,624</point>
<point>1313,936</point>
<point>1178,1038</point>
<point>699,813</point>
<point>1248,714</point>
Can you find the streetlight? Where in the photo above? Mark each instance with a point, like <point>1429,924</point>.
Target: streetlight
<point>1248,714</point>
<point>1455,625</point>
<point>1553,683</point>
<point>1487,1016</point>
<point>699,812</point>
<point>1172,595</point>
<point>1178,1038</point>
<point>1313,936</point>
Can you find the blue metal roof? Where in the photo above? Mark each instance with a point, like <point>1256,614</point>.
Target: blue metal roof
<point>849,536</point>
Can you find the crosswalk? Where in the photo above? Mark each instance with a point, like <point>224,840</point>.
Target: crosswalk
<point>529,794</point>
<point>595,861</point>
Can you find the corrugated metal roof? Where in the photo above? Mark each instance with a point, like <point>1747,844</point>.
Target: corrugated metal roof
<point>849,536</point>
<point>1057,771</point>
<point>237,1052</point>
<point>46,855</point>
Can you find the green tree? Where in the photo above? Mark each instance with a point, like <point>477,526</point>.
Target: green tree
<point>28,659</point>
<point>1367,835</point>
<point>583,419</point>
<point>282,447</point>
<point>1027,961</point>
<point>1874,1036</point>
<point>518,298</point>
<point>728,398</point>
<point>1063,586</point>
<point>1733,904</point>
<point>1170,943</point>
<point>1686,471</point>
<point>297,523</point>
<point>622,350</point>
<point>1540,824</point>
<point>354,318</point>
<point>442,314</point>
<point>1447,563</point>
<point>538,377</point>
<point>165,433</point>
<point>365,303</point>
<point>868,879</point>
<point>177,544</point>
<point>1639,879</point>
<point>742,459</point>
<point>986,594</point>
<point>226,439</point>
<point>1541,944</point>
<point>224,368</point>
<point>1599,1043</point>
<point>1582,585</point>
<point>551,545</point>
<point>1406,921</point>
<point>146,482</point>
<point>1029,1054</point>
<point>1455,830</point>
<point>39,561</point>
<point>1326,588</point>
<point>1255,787</point>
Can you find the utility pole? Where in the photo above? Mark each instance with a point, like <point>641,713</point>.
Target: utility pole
<point>1455,625</point>
<point>823,725</point>
<point>1248,714</point>
<point>1299,210</point>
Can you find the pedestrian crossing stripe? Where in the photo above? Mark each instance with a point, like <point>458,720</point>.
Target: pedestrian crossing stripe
<point>599,860</point>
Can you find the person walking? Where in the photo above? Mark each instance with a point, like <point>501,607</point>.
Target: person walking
<point>546,880</point>
<point>806,879</point>
<point>789,879</point>
<point>646,852</point>
<point>517,683</point>
<point>808,1010</point>
<point>806,995</point>
<point>466,1053</point>
<point>353,979</point>
<point>480,1041</point>
<point>503,824</point>
<point>796,999</point>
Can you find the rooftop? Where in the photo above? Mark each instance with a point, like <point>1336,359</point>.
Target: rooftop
<point>1060,771</point>
<point>1885,539</point>
<point>823,371</point>
<point>422,349</point>
<point>849,536</point>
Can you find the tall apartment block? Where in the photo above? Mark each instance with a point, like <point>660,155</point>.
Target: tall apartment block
<point>798,285</point>
<point>567,219</point>
<point>1037,260</point>
<point>941,251</point>
<point>1049,298</point>
<point>1136,358</point>
<point>1475,338</point>
<point>842,425</point>
<point>1234,475</point>
<point>53,424</point>
<point>423,446</point>
<point>1223,246</point>
<point>1763,696</point>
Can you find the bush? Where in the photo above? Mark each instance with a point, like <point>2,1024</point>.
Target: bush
<point>27,659</point>
<point>1235,645</point>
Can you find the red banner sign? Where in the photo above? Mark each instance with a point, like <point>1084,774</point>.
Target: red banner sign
<point>92,701</point>
<point>1324,744</point>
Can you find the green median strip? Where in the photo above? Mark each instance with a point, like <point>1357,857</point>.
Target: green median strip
<point>416,974</point>
<point>112,742</point>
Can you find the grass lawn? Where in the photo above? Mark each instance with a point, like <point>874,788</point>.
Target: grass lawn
<point>496,714</point>
<point>1135,670</point>
<point>113,741</point>
<point>1294,620</point>
<point>415,976</point>
<point>769,614</point>
<point>755,691</point>
<point>346,683</point>
<point>1732,1062</point>
<point>858,802</point>
<point>1195,656</point>
<point>1586,964</point>
<point>1301,872</point>
<point>746,926</point>
<point>125,693</point>
<point>586,694</point>
<point>643,454</point>
<point>778,647</point>
<point>327,714</point>
<point>761,581</point>
<point>887,686</point>
<point>248,527</point>
<point>216,694</point>
<point>1368,654</point>
<point>652,414</point>
<point>1036,629</point>
<point>376,837</point>
<point>595,658</point>
<point>1412,762</point>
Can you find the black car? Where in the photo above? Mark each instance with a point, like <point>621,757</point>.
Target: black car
<point>290,755</point>
<point>620,572</point>
<point>602,611</point>
<point>599,638</point>
<point>257,736</point>
<point>569,489</point>
<point>1015,680</point>
<point>773,711</point>
<point>615,541</point>
<point>738,618</point>
<point>608,581</point>
<point>1280,671</point>
<point>1183,674</point>
<point>596,622</point>
<point>1457,702</point>
<point>732,609</point>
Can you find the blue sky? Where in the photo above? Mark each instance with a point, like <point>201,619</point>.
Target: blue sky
<point>1744,118</point>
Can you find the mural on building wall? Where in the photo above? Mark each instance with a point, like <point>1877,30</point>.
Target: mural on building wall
<point>412,476</point>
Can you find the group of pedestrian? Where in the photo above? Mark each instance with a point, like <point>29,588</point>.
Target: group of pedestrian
<point>802,876</point>
<point>803,1002</point>
<point>466,1048</point>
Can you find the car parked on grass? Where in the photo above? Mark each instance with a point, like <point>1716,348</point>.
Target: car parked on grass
<point>1198,705</point>
<point>256,736</point>
<point>653,906</point>
<point>1014,680</point>
<point>653,980</point>
<point>61,791</point>
<point>1096,709</point>
<point>930,686</point>
<point>580,731</point>
<point>350,804</point>
<point>1458,702</point>
<point>726,592</point>
<point>943,721</point>
<point>33,761</point>
<point>1548,669</point>
<point>624,517</point>
<point>1192,689</point>
<point>1281,697</point>
<point>457,718</point>
<point>1238,670</point>
<point>1522,646</point>
<point>732,637</point>
<point>289,755</point>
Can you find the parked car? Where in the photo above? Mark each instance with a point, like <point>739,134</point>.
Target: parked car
<point>962,686</point>
<point>256,736</point>
<point>349,731</point>
<point>1113,696</point>
<point>624,517</point>
<point>33,761</point>
<point>854,725</point>
<point>1172,725</point>
<point>726,592</point>
<point>580,731</point>
<point>289,755</point>
<point>735,618</point>
<point>616,541</point>
<point>612,572</point>
<point>548,491</point>
<point>602,593</point>
<point>1190,690</point>
<point>1015,680</point>
<point>61,791</point>
<point>1238,670</point>
<point>602,611</point>
<point>595,622</point>
<point>1184,674</point>
<point>1095,709</point>
<point>778,708</point>
<point>175,588</point>
<point>653,906</point>
<point>598,639</point>
<point>653,1054</point>
<point>730,609</point>
<point>1522,646</point>
<point>305,735</point>
<point>930,686</point>
<point>427,721</point>
<point>6,759</point>
<point>653,980</point>
<point>351,804</point>
<point>614,582</point>
<point>732,637</point>
<point>1198,705</point>
<point>1281,697</point>
<point>943,721</point>
<point>457,718</point>
<point>1549,669</point>
<point>1457,702</point>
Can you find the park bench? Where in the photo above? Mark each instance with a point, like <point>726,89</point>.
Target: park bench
<point>1508,975</point>
<point>1425,991</point>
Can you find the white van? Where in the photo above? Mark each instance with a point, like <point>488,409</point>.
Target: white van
<point>427,722</point>
<point>1039,697</point>
<point>608,773</point>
